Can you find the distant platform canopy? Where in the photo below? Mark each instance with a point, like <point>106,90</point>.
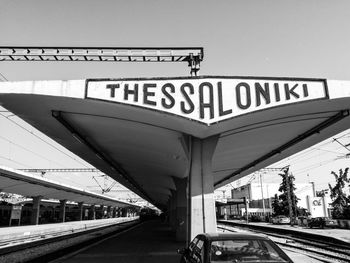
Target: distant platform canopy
<point>14,181</point>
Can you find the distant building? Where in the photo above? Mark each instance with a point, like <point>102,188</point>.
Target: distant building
<point>223,192</point>
<point>256,191</point>
<point>319,206</point>
<point>261,195</point>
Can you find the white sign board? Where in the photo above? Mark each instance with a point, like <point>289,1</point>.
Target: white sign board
<point>318,208</point>
<point>16,212</point>
<point>209,99</point>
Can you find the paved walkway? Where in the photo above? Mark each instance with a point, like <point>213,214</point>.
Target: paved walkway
<point>148,242</point>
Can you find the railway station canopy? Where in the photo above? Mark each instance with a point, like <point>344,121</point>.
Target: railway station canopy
<point>139,131</point>
<point>18,182</point>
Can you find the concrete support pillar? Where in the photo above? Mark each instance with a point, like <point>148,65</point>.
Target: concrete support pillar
<point>34,220</point>
<point>169,211</point>
<point>225,212</point>
<point>63,210</point>
<point>172,210</point>
<point>81,210</point>
<point>181,209</point>
<point>92,214</point>
<point>246,206</point>
<point>103,211</point>
<point>201,187</point>
<point>109,211</point>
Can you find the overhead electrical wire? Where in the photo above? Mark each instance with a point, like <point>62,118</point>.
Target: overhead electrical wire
<point>8,159</point>
<point>41,139</point>
<point>32,133</point>
<point>326,150</point>
<point>28,150</point>
<point>301,155</point>
<point>313,153</point>
<point>310,151</point>
<point>312,167</point>
<point>3,77</point>
<point>344,135</point>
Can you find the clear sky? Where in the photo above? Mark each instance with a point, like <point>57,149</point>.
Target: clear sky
<point>240,38</point>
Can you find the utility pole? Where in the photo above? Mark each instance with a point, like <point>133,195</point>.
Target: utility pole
<point>289,198</point>
<point>262,196</point>
<point>294,204</point>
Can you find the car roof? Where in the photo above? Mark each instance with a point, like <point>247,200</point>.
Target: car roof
<point>228,236</point>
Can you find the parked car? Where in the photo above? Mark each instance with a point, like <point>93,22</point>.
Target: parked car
<point>232,247</point>
<point>255,218</point>
<point>322,222</point>
<point>280,220</point>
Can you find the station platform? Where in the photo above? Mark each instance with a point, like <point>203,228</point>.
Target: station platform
<point>343,235</point>
<point>42,243</point>
<point>151,241</point>
<point>30,231</point>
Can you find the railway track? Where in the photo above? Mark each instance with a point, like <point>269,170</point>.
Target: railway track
<point>321,250</point>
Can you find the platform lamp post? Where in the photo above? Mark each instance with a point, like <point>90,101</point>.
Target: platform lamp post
<point>262,196</point>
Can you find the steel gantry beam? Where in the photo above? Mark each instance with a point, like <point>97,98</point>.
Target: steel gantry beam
<point>192,55</point>
<point>63,170</point>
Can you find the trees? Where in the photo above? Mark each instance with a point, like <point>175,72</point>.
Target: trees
<point>282,205</point>
<point>341,202</point>
<point>276,207</point>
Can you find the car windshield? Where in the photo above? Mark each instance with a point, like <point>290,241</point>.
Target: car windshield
<point>245,251</point>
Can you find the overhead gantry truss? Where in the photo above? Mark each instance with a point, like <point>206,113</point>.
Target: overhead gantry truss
<point>192,55</point>
<point>64,170</point>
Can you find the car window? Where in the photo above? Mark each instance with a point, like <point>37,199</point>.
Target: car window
<point>199,245</point>
<point>192,244</point>
<point>198,251</point>
<point>273,253</point>
<point>244,251</point>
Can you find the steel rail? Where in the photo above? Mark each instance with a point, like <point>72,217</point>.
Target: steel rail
<point>314,246</point>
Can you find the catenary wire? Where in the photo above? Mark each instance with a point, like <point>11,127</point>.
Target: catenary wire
<point>28,150</point>
<point>3,77</point>
<point>8,159</point>
<point>41,139</point>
